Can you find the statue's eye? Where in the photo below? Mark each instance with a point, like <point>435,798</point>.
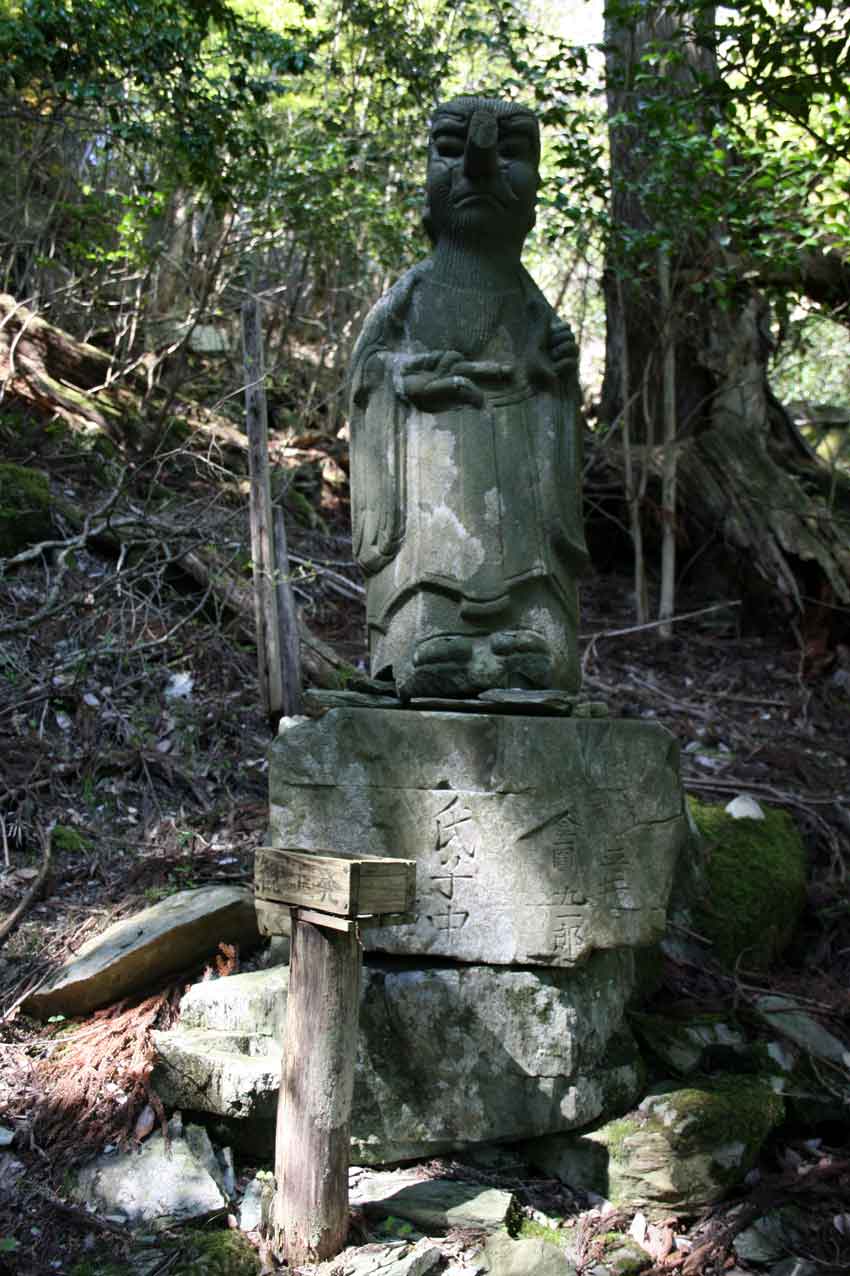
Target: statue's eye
<point>448,146</point>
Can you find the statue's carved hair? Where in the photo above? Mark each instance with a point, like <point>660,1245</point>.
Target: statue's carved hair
<point>467,103</point>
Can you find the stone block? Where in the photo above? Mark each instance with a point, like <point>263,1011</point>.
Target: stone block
<point>253,1002</point>
<point>508,1257</point>
<point>229,1074</point>
<point>168,937</point>
<point>447,1056</point>
<point>537,840</point>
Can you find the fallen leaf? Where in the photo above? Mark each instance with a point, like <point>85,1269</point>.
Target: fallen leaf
<point>145,1122</point>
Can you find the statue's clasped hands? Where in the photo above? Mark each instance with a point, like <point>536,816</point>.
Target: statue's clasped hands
<point>442,379</point>
<point>563,350</point>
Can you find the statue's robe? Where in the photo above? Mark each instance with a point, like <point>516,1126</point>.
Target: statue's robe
<point>469,503</point>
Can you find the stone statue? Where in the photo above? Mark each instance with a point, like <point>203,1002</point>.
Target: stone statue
<point>465,457</point>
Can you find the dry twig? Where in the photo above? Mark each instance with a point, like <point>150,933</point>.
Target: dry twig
<point>35,889</point>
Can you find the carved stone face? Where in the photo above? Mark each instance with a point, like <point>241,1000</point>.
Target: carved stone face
<point>482,171</point>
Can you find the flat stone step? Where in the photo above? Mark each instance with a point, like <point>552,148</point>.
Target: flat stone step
<point>226,1073</point>
<point>432,1205</point>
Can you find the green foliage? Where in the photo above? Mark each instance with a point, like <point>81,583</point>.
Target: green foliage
<point>70,840</point>
<point>183,80</point>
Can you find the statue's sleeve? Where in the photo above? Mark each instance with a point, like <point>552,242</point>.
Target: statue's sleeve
<point>561,481</point>
<point>377,417</point>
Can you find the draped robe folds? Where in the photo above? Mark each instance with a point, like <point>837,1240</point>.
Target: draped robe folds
<point>468,503</point>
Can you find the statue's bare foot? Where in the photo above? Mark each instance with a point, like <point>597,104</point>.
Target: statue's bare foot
<point>526,659</point>
<point>457,667</point>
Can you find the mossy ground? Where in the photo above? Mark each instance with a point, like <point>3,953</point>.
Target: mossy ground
<point>531,1231</point>
<point>756,884</point>
<point>199,1253</point>
<point>24,507</point>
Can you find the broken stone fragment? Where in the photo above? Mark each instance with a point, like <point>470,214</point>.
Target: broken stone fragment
<point>431,1204</point>
<point>176,933</point>
<point>154,1185</point>
<point>394,1258</point>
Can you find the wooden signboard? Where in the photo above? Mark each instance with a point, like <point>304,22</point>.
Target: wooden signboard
<point>334,883</point>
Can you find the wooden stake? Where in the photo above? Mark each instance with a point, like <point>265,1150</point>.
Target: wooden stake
<point>667,602</point>
<point>262,535</point>
<point>287,617</point>
<point>310,1221</point>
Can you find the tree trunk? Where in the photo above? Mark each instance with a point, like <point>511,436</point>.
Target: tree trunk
<point>746,481</point>
<point>633,303</point>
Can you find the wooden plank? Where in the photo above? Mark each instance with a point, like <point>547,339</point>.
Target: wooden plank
<point>262,535</point>
<point>335,883</point>
<point>386,886</point>
<point>310,1217</point>
<point>276,919</point>
<point>315,918</point>
<point>314,881</point>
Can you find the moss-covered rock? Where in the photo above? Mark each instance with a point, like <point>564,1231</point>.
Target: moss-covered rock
<point>679,1151</point>
<point>623,1256</point>
<point>756,879</point>
<point>24,507</point>
<point>506,1256</point>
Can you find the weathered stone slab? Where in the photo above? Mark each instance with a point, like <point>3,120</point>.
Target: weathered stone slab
<point>448,1056</point>
<point>537,840</point>
<point>169,936</point>
<point>393,1258</point>
<point>785,1015</point>
<point>434,1205</point>
<point>231,1074</point>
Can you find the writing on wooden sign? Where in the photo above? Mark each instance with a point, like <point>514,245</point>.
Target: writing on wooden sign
<point>336,884</point>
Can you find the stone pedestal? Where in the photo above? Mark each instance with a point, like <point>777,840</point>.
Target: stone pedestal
<point>545,849</point>
<point>538,841</point>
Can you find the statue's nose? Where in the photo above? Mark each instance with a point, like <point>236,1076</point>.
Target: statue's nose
<point>480,158</point>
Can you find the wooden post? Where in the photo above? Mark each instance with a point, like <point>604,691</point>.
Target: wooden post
<point>321,899</point>
<point>262,535</point>
<point>314,1108</point>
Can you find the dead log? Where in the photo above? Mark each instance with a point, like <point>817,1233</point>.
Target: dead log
<point>54,375</point>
